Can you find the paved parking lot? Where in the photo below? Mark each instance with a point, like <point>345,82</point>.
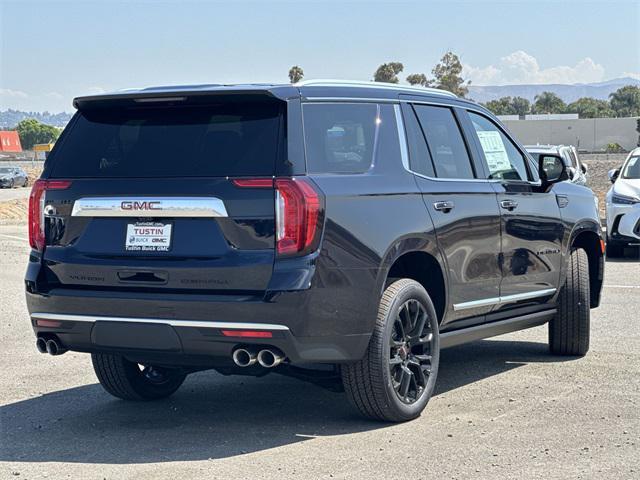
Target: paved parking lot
<point>504,408</point>
<point>14,193</point>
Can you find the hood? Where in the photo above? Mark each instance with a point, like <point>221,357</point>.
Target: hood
<point>627,186</point>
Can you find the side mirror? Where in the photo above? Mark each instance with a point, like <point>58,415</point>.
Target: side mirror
<point>613,174</point>
<point>552,169</point>
<point>585,169</point>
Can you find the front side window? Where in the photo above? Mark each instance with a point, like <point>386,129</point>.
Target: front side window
<point>504,160</point>
<point>445,143</point>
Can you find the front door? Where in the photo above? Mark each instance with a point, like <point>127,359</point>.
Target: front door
<point>531,226</point>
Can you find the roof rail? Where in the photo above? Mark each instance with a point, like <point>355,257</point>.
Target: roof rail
<point>369,84</point>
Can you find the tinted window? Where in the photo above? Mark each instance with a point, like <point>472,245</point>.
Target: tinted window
<point>339,138</point>
<point>232,139</point>
<point>419,158</point>
<point>446,145</point>
<point>504,160</point>
<point>632,168</point>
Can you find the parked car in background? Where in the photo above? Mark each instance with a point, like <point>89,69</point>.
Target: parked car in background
<point>575,168</point>
<point>623,206</point>
<point>13,177</point>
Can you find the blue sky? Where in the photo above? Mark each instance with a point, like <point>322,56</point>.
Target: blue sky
<point>51,51</point>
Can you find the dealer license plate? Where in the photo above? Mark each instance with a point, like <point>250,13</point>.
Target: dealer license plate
<point>148,237</point>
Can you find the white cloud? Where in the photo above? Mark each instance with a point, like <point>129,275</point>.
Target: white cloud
<point>95,90</point>
<point>54,95</point>
<point>635,75</point>
<point>520,67</point>
<point>7,92</point>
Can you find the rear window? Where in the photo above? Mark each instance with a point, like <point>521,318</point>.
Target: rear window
<point>233,139</point>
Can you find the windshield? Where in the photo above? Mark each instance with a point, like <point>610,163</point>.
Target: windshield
<point>632,168</point>
<point>232,139</point>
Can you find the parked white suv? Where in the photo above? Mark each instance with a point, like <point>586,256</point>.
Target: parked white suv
<point>576,170</point>
<point>623,206</point>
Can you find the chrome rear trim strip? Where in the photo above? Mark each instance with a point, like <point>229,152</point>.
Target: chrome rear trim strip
<point>166,321</point>
<point>149,207</point>
<point>504,299</point>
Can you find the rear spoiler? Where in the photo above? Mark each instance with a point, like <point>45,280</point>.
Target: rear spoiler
<point>186,95</point>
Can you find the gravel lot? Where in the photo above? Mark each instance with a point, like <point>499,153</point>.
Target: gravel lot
<point>504,408</point>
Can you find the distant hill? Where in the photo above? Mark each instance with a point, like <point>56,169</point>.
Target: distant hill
<point>568,93</point>
<point>10,118</point>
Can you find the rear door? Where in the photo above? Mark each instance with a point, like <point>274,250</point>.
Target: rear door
<point>158,197</point>
<point>463,208</point>
<point>532,228</point>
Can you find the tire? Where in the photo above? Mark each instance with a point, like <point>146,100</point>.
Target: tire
<point>569,329</point>
<point>395,379</point>
<point>127,380</point>
<point>12,184</point>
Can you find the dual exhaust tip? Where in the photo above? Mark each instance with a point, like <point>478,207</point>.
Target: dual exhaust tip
<point>52,346</point>
<point>267,358</point>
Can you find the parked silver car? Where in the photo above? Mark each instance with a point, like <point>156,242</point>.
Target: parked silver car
<point>623,206</point>
<point>13,177</point>
<point>575,168</point>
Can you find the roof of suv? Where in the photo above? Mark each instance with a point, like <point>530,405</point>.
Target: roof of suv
<point>306,89</point>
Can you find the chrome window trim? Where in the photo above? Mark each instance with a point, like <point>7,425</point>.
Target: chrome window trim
<point>166,207</point>
<point>166,321</point>
<point>348,100</point>
<point>501,300</point>
<point>330,82</point>
<point>402,137</point>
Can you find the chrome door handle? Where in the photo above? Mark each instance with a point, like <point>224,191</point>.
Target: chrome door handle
<point>509,204</point>
<point>445,206</point>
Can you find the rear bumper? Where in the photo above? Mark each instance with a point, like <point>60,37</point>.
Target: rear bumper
<point>188,331</point>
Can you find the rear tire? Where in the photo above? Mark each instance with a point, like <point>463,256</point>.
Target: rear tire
<point>396,378</point>
<point>569,329</point>
<point>130,381</point>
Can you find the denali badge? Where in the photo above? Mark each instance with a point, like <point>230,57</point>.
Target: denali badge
<point>135,205</point>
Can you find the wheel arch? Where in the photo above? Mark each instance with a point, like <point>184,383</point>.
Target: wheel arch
<point>420,260</point>
<point>587,235</point>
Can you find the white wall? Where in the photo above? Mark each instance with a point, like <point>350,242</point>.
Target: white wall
<point>590,134</point>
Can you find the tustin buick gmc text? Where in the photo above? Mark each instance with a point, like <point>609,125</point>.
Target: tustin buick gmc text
<point>325,229</point>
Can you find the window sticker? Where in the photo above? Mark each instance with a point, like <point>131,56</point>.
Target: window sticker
<point>494,151</point>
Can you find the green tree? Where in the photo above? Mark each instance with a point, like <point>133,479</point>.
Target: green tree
<point>587,107</point>
<point>419,79</point>
<point>626,101</point>
<point>522,106</point>
<point>548,102</point>
<point>447,75</point>
<point>295,74</point>
<point>509,106</point>
<point>501,106</point>
<point>32,132</point>
<point>388,72</point>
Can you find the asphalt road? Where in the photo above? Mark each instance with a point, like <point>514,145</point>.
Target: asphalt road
<point>504,408</point>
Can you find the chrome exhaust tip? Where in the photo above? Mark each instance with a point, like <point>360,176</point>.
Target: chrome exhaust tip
<point>41,344</point>
<point>270,358</point>
<point>243,357</point>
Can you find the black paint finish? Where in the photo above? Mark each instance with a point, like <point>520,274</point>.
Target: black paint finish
<point>226,269</point>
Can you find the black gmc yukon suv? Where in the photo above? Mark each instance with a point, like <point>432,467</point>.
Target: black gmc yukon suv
<point>354,228</point>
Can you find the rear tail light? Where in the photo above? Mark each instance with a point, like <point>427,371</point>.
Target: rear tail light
<point>299,210</point>
<point>36,209</point>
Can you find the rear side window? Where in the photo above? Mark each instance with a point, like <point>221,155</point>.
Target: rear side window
<point>419,157</point>
<point>233,139</point>
<point>445,142</point>
<point>340,137</point>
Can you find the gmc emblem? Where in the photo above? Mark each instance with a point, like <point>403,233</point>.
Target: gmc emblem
<point>135,205</point>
